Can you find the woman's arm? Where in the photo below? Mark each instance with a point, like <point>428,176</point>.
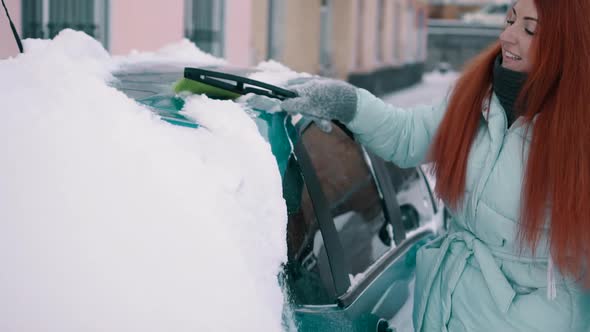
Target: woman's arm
<point>399,135</point>
<point>402,136</point>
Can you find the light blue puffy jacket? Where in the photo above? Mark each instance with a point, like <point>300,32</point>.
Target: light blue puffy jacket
<point>473,278</point>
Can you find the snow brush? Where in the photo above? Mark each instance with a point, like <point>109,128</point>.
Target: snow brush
<point>228,86</point>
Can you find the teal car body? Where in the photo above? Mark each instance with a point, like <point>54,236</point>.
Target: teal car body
<point>355,221</point>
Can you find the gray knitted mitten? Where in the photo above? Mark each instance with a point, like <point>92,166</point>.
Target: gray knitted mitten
<point>323,99</point>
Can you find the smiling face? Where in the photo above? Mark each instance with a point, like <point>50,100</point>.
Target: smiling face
<point>521,26</point>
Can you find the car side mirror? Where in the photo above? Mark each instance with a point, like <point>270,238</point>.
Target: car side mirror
<point>410,217</point>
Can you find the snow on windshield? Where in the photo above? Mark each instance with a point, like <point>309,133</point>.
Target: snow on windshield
<point>113,220</point>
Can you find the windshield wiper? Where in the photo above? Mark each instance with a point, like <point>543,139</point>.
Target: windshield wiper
<point>236,84</point>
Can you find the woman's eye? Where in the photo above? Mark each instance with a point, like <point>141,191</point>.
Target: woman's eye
<point>530,28</point>
<point>509,22</point>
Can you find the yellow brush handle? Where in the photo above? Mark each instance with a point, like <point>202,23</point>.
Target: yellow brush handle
<point>195,87</point>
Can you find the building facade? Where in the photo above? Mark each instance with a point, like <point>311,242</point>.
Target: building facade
<point>364,41</point>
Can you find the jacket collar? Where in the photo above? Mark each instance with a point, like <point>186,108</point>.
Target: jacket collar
<point>493,114</point>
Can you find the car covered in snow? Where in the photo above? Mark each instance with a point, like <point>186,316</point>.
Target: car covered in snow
<point>355,221</point>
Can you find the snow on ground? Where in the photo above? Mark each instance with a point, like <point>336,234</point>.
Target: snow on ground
<point>431,91</point>
<point>113,220</point>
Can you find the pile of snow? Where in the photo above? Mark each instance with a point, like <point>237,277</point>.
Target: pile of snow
<point>113,220</point>
<point>181,52</point>
<point>275,73</point>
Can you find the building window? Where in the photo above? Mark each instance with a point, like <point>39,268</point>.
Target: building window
<point>276,28</point>
<point>204,25</point>
<point>46,18</point>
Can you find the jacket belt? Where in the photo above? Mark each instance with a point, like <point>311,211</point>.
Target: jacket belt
<point>499,287</point>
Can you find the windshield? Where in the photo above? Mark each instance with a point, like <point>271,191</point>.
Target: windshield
<point>153,87</point>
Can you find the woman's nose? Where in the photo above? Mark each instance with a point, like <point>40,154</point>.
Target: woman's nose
<point>508,35</point>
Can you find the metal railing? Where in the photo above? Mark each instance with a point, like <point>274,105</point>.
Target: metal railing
<point>455,43</point>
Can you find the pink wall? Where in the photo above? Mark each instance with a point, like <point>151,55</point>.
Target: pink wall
<point>238,35</point>
<point>7,43</point>
<point>145,25</point>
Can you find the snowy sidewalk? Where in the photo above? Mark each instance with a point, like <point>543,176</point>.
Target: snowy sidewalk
<point>433,88</point>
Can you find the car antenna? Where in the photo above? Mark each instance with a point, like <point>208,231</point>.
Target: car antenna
<point>14,32</point>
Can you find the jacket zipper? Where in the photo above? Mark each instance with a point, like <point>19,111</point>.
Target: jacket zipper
<point>489,165</point>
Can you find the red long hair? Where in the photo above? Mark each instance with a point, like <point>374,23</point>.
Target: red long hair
<point>557,175</point>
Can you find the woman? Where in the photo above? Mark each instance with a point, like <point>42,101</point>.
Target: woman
<point>510,149</point>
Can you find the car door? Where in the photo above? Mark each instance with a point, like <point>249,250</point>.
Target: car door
<point>351,243</point>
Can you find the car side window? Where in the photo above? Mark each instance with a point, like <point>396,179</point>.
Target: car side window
<point>307,272</point>
<point>413,196</point>
<point>351,191</point>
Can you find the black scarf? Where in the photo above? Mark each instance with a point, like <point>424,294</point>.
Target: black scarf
<point>507,84</point>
